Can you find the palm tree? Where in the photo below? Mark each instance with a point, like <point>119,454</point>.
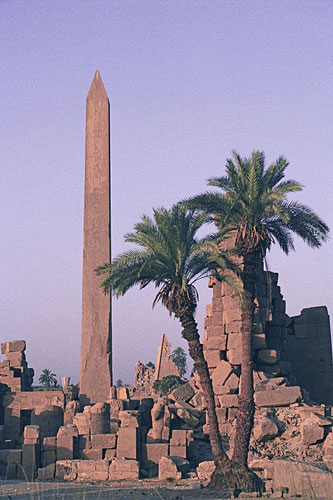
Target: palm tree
<point>171,258</point>
<point>178,356</point>
<point>47,378</point>
<point>254,209</point>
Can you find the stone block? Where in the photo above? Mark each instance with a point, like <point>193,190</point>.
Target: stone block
<point>216,343</point>
<point>265,429</point>
<point>230,315</point>
<point>178,451</point>
<point>47,458</point>
<point>207,322</point>
<point>282,396</point>
<point>91,454</point>
<point>103,441</point>
<point>205,471</point>
<point>183,392</point>
<point>110,454</point>
<point>328,446</point>
<point>31,432</point>
<point>122,393</point>
<point>217,322</point>
<point>16,359</point>
<point>213,358</point>
<point>12,471</point>
<point>127,443</point>
<point>49,444</point>
<point>121,469</point>
<point>233,327</point>
<point>232,383</point>
<point>228,400</point>
<point>14,346</point>
<point>167,469</point>
<point>311,433</point>
<point>220,374</point>
<point>67,442</point>
<point>49,418</point>
<point>85,441</point>
<point>152,453</point>
<point>178,438</point>
<point>234,356</point>
<point>129,418</point>
<point>217,305</point>
<point>268,356</point>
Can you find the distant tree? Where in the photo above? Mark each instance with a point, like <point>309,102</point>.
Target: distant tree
<point>48,379</point>
<point>178,356</point>
<point>150,365</point>
<point>167,384</point>
<point>119,383</point>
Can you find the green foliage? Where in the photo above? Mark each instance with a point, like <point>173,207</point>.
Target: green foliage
<point>171,258</point>
<point>48,379</point>
<point>254,205</point>
<point>178,356</point>
<point>150,365</point>
<point>167,384</point>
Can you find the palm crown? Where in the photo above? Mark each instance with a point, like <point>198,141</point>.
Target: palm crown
<point>255,206</point>
<point>171,257</point>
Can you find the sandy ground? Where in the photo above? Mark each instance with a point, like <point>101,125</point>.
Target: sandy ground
<point>151,489</point>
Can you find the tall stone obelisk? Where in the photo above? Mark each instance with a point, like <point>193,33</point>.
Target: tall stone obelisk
<point>96,355</point>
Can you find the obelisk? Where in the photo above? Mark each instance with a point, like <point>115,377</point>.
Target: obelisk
<point>96,355</point>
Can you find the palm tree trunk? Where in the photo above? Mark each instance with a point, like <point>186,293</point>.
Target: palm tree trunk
<point>228,474</point>
<point>191,335</point>
<point>245,410</point>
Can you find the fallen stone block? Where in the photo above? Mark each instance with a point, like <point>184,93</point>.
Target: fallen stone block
<point>328,445</point>
<point>282,396</point>
<point>265,429</point>
<point>121,469</point>
<point>172,468</point>
<point>66,469</point>
<point>311,433</point>
<point>205,471</point>
<point>228,400</point>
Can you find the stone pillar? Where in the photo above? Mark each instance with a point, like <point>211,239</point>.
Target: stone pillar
<point>96,360</point>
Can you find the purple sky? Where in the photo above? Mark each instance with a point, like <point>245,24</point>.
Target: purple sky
<point>188,81</point>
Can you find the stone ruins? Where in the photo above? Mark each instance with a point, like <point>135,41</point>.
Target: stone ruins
<point>127,433</point>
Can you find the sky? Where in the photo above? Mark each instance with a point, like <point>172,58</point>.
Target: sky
<point>188,82</point>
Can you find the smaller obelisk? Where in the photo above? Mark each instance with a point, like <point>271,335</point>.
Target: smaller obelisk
<point>96,355</point>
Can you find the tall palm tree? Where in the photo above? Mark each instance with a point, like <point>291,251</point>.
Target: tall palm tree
<point>173,259</point>
<point>178,356</point>
<point>47,378</point>
<point>254,209</point>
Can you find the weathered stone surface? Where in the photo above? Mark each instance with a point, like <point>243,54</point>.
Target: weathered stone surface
<point>169,468</point>
<point>103,441</point>
<point>96,359</point>
<point>14,346</point>
<point>328,446</point>
<point>31,432</point>
<point>127,443</point>
<point>213,358</point>
<point>183,392</point>
<point>49,418</point>
<point>129,418</point>
<point>205,471</point>
<point>303,479</point>
<point>282,396</point>
<point>47,458</point>
<point>121,469</point>
<point>220,375</point>
<point>265,429</point>
<point>228,400</point>
<point>311,432</point>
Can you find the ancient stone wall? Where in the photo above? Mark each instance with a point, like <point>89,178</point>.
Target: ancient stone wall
<point>309,350</point>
